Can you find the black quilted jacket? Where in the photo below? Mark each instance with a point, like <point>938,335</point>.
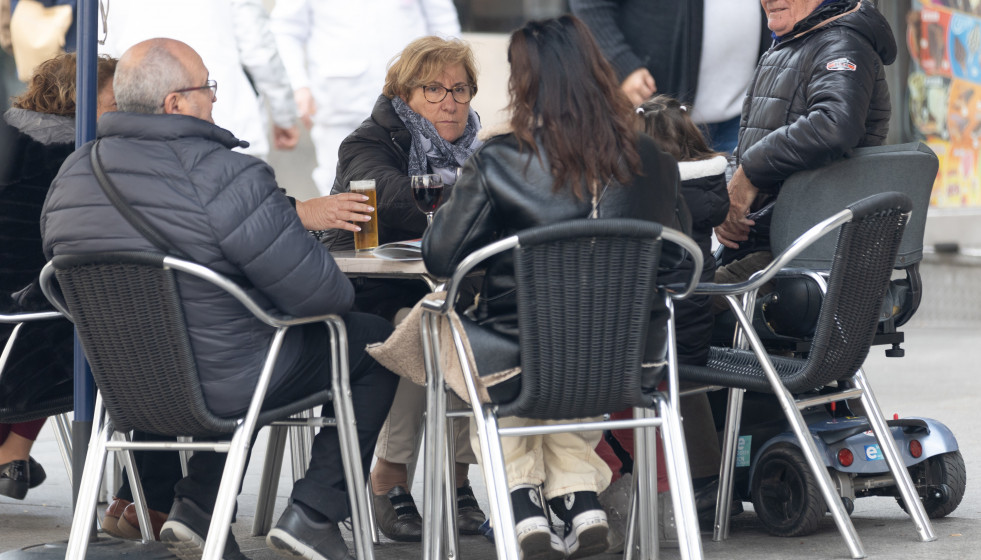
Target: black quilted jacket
<point>224,210</point>
<point>817,94</point>
<point>379,150</point>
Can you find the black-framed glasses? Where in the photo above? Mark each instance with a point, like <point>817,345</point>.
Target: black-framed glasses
<point>462,93</point>
<point>210,84</point>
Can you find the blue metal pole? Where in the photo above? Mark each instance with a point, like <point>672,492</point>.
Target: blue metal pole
<point>86,80</point>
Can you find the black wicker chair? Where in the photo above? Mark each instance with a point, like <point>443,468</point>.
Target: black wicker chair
<point>128,314</point>
<point>586,290</point>
<point>870,232</point>
<point>46,399</point>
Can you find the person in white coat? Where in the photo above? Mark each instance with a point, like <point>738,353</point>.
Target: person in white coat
<point>336,53</point>
<point>234,39</point>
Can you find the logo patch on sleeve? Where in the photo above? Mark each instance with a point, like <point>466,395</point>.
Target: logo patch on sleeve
<point>842,64</point>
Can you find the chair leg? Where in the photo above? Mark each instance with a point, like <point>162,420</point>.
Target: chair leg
<point>679,476</point>
<point>231,480</point>
<point>495,477</point>
<point>375,537</point>
<point>185,454</point>
<point>449,488</point>
<point>804,437</point>
<point>348,437</point>
<point>269,481</point>
<point>434,445</point>
<point>723,502</point>
<point>903,482</point>
<point>645,492</point>
<point>136,486</point>
<point>95,462</point>
<point>301,442</point>
<point>630,540</point>
<point>63,435</point>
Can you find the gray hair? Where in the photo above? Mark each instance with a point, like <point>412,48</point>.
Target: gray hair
<point>141,85</point>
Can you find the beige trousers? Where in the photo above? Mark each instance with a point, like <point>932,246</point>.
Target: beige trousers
<point>398,441</point>
<point>561,463</point>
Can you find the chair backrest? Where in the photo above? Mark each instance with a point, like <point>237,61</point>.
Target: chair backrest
<point>860,271</point>
<point>808,197</point>
<point>585,290</point>
<point>127,310</point>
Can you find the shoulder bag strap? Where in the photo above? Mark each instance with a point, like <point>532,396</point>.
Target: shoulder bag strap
<point>132,216</point>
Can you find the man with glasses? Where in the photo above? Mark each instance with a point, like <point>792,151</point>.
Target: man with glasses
<point>224,210</point>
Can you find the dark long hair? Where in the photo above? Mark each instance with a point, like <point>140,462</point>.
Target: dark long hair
<point>669,123</point>
<point>564,91</point>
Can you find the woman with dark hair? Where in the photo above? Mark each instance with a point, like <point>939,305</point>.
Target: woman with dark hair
<point>36,134</point>
<point>572,152</point>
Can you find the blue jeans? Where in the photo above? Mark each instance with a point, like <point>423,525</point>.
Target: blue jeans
<point>722,136</point>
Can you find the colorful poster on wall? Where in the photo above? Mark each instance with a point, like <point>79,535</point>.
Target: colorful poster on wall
<point>944,41</point>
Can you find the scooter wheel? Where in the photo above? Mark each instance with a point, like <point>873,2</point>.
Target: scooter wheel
<point>785,494</point>
<point>944,477</point>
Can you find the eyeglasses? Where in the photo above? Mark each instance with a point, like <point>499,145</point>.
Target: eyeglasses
<point>210,84</point>
<point>462,93</point>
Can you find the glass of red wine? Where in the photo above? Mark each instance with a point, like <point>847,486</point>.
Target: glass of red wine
<point>427,190</point>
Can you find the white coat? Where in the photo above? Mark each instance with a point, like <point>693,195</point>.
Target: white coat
<point>341,50</point>
<point>232,37</point>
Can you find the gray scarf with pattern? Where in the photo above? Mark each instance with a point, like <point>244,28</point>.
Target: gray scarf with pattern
<point>430,150</point>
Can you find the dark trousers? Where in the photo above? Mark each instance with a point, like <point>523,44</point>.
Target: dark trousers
<point>159,471</point>
<point>372,387</point>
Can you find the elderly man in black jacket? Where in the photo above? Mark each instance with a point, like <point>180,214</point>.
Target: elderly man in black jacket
<point>819,92</point>
<point>224,210</point>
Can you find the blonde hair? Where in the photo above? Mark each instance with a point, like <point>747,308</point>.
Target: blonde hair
<point>423,60</point>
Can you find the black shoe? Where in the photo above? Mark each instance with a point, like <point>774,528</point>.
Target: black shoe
<point>397,517</point>
<point>37,474</point>
<point>536,540</point>
<point>705,498</point>
<point>15,479</point>
<point>586,527</point>
<point>469,518</point>
<point>185,529</point>
<point>297,536</point>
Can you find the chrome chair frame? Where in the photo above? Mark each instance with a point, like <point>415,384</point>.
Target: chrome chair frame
<point>742,300</point>
<point>439,502</point>
<point>103,439</point>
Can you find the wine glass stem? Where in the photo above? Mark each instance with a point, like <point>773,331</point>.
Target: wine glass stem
<point>429,218</point>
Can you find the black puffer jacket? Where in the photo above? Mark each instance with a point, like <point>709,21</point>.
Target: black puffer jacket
<point>224,210</point>
<point>379,150</point>
<point>817,94</point>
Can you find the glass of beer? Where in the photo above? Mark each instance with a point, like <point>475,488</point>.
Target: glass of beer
<point>367,238</point>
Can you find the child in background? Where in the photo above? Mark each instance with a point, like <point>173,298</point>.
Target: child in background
<point>703,184</point>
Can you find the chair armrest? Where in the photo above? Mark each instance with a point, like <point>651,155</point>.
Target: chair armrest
<point>681,291</point>
<point>32,316</point>
<point>779,263</point>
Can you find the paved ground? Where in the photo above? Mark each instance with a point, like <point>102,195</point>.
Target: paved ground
<point>935,379</point>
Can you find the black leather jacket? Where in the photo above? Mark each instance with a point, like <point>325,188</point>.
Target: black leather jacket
<point>817,94</point>
<point>504,190</point>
